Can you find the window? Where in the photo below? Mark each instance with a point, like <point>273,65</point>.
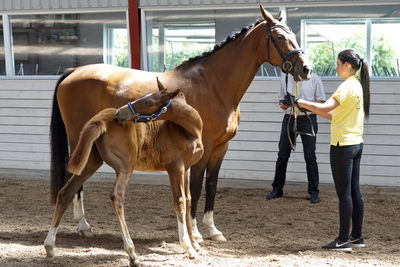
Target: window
<point>48,44</point>
<point>116,46</point>
<point>370,30</point>
<point>175,36</point>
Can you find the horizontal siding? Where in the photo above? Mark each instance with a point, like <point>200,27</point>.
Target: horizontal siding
<point>25,108</point>
<point>265,3</point>
<point>29,5</point>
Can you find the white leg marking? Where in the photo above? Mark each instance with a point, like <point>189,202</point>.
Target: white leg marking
<point>50,242</point>
<point>79,215</point>
<point>196,233</point>
<point>184,240</point>
<point>215,234</point>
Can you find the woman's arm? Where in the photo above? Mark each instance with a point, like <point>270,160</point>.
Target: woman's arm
<point>322,109</point>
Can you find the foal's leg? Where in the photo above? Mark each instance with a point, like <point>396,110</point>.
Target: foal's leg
<point>176,178</point>
<point>118,197</point>
<point>84,228</point>
<point>188,218</point>
<point>64,198</point>
<point>213,167</point>
<point>196,183</point>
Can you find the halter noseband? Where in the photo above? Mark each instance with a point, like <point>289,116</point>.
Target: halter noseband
<point>137,117</point>
<point>287,64</point>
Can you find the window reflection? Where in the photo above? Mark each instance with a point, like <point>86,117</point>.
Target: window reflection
<point>48,44</point>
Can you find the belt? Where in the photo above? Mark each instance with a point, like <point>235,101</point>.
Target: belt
<point>301,116</point>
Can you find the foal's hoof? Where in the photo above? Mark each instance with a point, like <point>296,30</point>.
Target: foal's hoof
<point>49,251</point>
<point>86,233</point>
<point>196,246</point>
<point>194,255</point>
<point>198,239</point>
<point>218,237</point>
<point>134,262</point>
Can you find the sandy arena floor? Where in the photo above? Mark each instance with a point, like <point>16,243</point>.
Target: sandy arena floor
<point>284,232</point>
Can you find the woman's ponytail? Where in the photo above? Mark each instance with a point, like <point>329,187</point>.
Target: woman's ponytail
<point>364,77</point>
<point>358,63</point>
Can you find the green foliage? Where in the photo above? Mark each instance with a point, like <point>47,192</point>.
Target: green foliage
<point>384,56</point>
<point>177,52</point>
<point>121,50</point>
<point>323,55</point>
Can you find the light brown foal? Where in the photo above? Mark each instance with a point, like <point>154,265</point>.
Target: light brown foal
<point>172,143</point>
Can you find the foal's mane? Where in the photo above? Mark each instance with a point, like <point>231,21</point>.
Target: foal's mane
<point>217,47</point>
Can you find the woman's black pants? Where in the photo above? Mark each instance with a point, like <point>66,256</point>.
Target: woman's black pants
<point>345,165</point>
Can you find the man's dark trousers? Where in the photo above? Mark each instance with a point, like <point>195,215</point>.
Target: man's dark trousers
<point>303,126</point>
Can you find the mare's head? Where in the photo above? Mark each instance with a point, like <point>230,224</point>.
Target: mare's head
<point>148,107</point>
<point>282,47</point>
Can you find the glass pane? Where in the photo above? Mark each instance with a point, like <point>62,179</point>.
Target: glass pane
<point>175,36</point>
<point>329,29</point>
<point>386,48</point>
<point>48,44</point>
<point>2,57</point>
<point>325,39</point>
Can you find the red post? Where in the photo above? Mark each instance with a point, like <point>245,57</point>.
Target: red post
<point>134,32</point>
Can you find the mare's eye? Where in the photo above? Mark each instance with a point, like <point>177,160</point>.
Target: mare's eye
<point>281,37</point>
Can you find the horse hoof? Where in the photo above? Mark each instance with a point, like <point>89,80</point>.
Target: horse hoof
<point>196,246</point>
<point>199,239</point>
<point>134,262</point>
<point>86,233</point>
<point>218,237</point>
<point>194,255</point>
<point>49,251</point>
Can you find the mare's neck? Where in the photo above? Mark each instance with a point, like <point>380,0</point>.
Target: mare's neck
<point>230,70</point>
<point>185,116</point>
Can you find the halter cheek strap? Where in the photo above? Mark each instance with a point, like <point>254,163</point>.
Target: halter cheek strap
<point>137,117</point>
<point>287,65</point>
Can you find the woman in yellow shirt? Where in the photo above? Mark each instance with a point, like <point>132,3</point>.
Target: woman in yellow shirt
<point>346,110</point>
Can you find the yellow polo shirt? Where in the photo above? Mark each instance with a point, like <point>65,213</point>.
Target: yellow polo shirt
<point>347,123</point>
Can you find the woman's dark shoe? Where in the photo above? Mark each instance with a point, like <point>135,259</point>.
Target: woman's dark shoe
<point>338,245</point>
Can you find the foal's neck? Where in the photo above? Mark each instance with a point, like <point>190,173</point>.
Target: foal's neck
<point>185,116</point>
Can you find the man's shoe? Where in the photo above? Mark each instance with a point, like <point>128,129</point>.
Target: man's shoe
<point>357,242</point>
<point>274,194</point>
<point>315,198</point>
<point>338,245</point>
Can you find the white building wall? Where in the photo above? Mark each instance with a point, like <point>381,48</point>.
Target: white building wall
<point>34,5</point>
<point>25,108</point>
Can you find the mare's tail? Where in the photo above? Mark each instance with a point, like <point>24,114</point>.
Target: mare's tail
<point>92,130</point>
<point>59,145</point>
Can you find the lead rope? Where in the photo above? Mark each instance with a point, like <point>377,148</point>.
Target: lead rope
<point>294,113</point>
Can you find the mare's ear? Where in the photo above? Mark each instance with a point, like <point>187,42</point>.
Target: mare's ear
<point>160,85</point>
<point>267,16</point>
<point>282,15</point>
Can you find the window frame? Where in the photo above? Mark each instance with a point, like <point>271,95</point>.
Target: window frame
<point>368,24</point>
<point>8,48</point>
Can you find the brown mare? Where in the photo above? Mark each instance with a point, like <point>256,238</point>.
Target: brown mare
<point>172,144</point>
<point>213,84</point>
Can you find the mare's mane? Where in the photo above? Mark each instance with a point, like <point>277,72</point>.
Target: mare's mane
<point>217,47</point>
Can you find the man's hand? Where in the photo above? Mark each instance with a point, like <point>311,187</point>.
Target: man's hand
<point>290,99</point>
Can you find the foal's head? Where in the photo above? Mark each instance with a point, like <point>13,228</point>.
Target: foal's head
<point>148,107</point>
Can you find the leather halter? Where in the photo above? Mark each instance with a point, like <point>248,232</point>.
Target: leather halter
<point>137,117</point>
<point>287,65</point>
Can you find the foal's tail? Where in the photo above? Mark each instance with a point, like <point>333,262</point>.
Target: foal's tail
<point>92,130</point>
<point>59,145</point>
